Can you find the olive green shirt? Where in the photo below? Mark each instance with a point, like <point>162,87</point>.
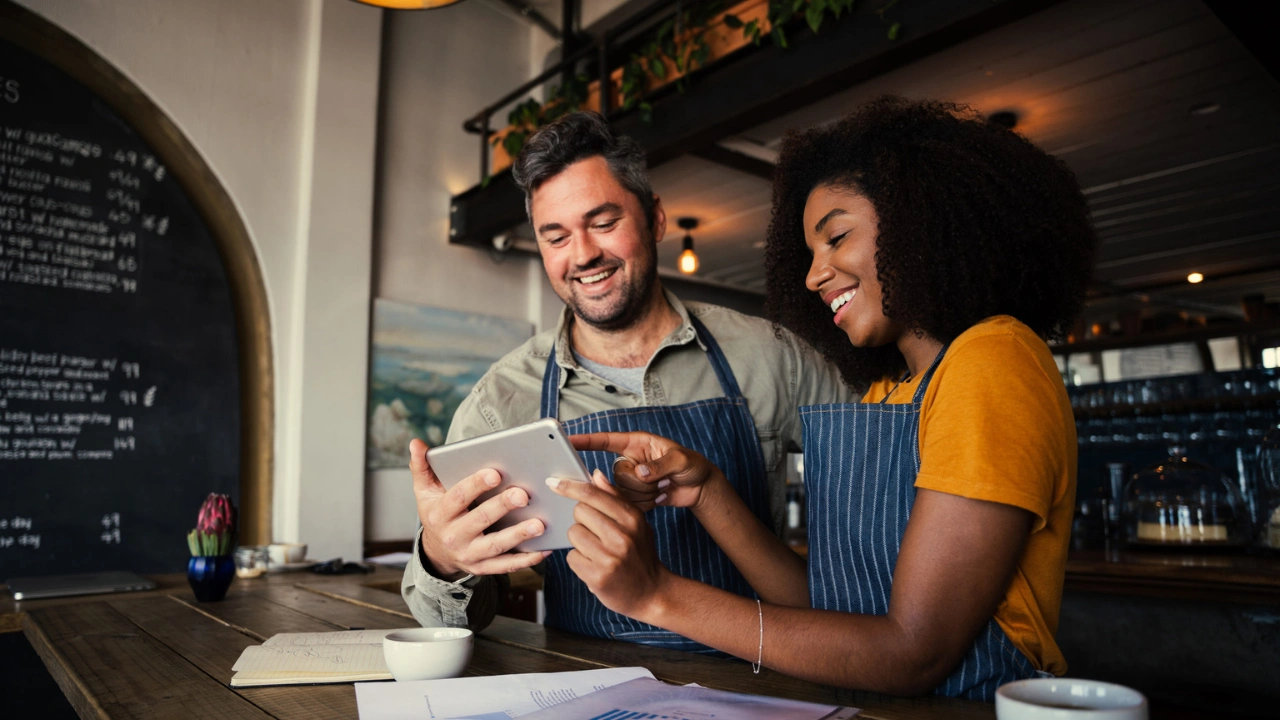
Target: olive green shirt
<point>776,371</point>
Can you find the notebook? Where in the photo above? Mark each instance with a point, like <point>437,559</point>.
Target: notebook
<point>48,586</point>
<point>313,658</point>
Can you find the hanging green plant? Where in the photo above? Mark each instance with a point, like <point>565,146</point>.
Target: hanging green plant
<point>678,46</point>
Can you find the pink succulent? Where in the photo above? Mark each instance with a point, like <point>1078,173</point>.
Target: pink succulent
<point>217,515</point>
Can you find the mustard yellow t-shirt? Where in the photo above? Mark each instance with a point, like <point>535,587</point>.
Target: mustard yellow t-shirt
<point>996,425</point>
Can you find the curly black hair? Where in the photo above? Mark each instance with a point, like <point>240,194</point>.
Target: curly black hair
<point>974,221</point>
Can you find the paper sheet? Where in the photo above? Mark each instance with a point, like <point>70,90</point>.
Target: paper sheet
<point>647,697</point>
<point>341,637</point>
<point>496,697</point>
<point>311,659</point>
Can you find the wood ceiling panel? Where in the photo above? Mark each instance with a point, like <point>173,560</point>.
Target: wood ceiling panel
<point>1106,86</point>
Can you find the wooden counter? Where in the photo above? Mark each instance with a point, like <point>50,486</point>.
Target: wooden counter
<point>161,654</point>
<point>1213,577</point>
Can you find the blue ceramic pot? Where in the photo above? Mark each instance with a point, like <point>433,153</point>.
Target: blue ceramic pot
<point>210,576</point>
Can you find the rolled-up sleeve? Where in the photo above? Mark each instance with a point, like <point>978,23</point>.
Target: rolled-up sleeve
<point>438,603</point>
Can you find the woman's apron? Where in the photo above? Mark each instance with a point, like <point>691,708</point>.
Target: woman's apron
<point>860,467</point>
<point>721,429</point>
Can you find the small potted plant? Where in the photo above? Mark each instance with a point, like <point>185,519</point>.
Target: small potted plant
<point>213,547</point>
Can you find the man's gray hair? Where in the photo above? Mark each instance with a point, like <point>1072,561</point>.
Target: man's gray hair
<point>578,136</point>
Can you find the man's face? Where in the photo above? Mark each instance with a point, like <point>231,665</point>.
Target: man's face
<point>596,244</point>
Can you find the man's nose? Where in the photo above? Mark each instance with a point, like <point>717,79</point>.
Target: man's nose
<point>585,250</point>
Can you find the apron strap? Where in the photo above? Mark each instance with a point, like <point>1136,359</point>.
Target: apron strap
<point>549,407</point>
<point>928,375</point>
<point>728,383</point>
<point>550,404</point>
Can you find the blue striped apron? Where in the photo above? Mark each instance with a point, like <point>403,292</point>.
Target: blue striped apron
<point>860,467</point>
<point>721,429</point>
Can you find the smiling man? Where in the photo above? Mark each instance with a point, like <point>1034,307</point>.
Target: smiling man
<point>627,355</point>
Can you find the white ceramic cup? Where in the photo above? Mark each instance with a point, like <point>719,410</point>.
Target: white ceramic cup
<point>427,653</point>
<point>284,553</point>
<point>1068,699</point>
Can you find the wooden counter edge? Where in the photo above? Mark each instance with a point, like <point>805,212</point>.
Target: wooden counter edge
<point>68,680</point>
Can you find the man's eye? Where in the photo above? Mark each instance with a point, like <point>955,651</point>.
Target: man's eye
<point>558,240</point>
<point>605,225</point>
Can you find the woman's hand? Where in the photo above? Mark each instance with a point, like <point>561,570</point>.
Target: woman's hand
<point>653,470</point>
<point>613,547</point>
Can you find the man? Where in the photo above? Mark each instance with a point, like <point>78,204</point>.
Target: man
<point>627,355</point>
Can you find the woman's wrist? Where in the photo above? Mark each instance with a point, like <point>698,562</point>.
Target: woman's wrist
<point>712,495</point>
<point>662,603</point>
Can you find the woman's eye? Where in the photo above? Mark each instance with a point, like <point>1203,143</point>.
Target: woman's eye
<point>835,239</point>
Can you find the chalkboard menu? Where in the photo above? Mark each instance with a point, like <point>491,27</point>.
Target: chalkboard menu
<point>119,369</point>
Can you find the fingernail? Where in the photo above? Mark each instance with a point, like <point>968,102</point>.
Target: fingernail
<point>533,530</point>
<point>546,554</point>
<point>642,471</point>
<point>518,498</point>
<point>663,483</point>
<point>658,500</point>
<point>553,483</point>
<point>492,479</point>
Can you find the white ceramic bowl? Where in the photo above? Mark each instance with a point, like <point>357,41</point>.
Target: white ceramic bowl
<point>1068,699</point>
<point>286,553</point>
<point>427,653</point>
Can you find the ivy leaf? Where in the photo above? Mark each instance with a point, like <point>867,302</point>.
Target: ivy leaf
<point>814,16</point>
<point>894,30</point>
<point>513,143</point>
<point>796,5</point>
<point>646,113</point>
<point>658,68</point>
<point>484,182</point>
<point>699,57</point>
<point>752,31</point>
<point>779,37</point>
<point>732,21</point>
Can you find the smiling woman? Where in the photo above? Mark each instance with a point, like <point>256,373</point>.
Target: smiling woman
<point>929,252</point>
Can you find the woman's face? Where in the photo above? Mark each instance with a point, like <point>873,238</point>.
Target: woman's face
<point>840,230</point>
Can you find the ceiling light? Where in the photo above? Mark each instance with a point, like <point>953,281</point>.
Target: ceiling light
<point>688,261</point>
<point>1207,108</point>
<point>1194,278</point>
<point>408,4</point>
<point>1004,118</point>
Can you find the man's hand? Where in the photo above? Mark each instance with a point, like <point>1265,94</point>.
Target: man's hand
<point>453,534</point>
<point>614,551</point>
<point>653,470</point>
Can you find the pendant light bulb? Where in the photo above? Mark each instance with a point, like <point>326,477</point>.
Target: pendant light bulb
<point>688,258</point>
<point>688,262</point>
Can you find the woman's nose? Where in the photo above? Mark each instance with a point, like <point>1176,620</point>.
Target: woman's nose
<point>819,272</point>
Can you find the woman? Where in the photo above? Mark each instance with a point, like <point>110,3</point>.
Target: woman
<point>930,254</point>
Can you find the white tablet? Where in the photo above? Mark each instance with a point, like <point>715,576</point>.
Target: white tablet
<point>525,456</point>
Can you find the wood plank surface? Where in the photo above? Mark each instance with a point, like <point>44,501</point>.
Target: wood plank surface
<point>108,667</point>
<point>343,613</point>
<point>214,647</point>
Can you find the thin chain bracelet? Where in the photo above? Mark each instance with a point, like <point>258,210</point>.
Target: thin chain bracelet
<point>755,666</point>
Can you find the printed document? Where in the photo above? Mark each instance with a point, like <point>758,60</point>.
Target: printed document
<point>497,697</point>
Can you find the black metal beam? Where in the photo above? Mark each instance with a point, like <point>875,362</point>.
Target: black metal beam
<point>526,11</point>
<point>721,155</point>
<point>758,84</point>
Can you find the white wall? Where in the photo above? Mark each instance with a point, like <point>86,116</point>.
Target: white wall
<point>268,93</point>
<point>442,67</point>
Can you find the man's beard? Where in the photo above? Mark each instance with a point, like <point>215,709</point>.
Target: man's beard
<point>622,310</point>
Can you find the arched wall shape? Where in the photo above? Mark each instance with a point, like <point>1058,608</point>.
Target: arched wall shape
<point>38,37</point>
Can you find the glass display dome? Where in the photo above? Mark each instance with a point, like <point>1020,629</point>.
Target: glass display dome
<point>1183,503</point>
